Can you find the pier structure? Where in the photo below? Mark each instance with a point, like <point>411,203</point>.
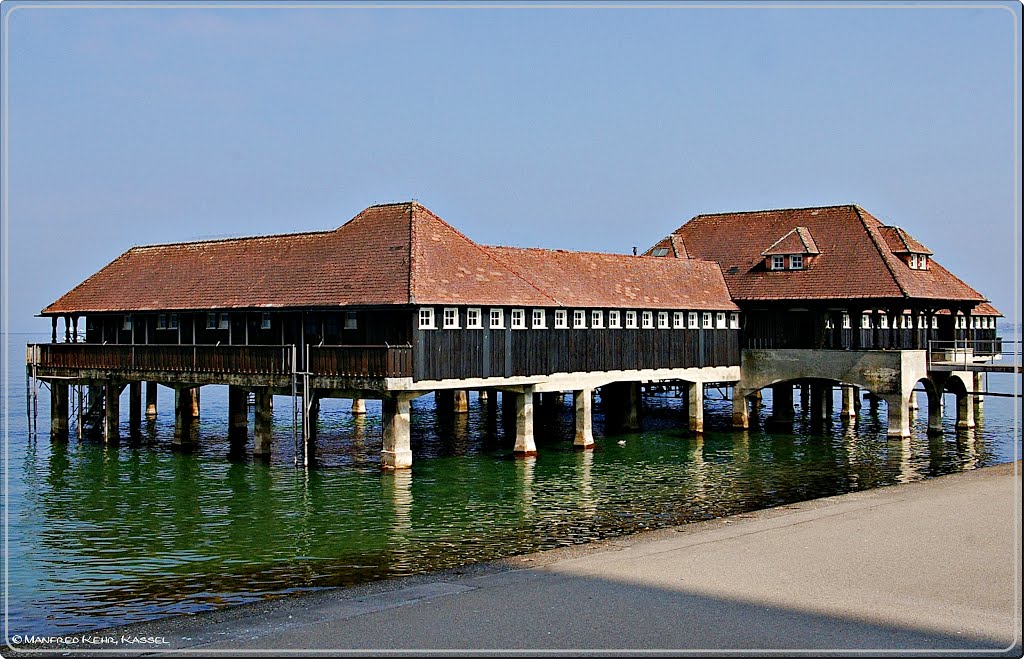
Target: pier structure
<point>393,305</point>
<point>831,297</point>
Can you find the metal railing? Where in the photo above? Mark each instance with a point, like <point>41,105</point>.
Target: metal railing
<point>966,352</point>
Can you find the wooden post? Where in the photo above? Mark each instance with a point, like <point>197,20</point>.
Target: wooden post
<point>58,410</point>
<point>111,413</point>
<point>135,406</point>
<point>195,402</point>
<point>264,436</point>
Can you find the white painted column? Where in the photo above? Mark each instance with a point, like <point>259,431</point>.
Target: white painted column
<point>583,402</point>
<point>524,423</point>
<point>397,449</point>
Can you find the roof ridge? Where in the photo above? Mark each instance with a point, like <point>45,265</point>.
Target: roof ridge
<point>234,239</point>
<point>558,251</point>
<point>773,210</point>
<point>874,241</point>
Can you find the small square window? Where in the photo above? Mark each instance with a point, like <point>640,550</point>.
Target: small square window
<point>224,321</point>
<point>540,319</point>
<point>451,318</point>
<point>173,321</point>
<point>561,319</point>
<point>427,318</point>
<point>691,320</point>
<point>127,324</point>
<point>161,321</point>
<point>597,319</point>
<point>778,263</point>
<point>796,262</point>
<point>351,320</point>
<point>211,321</point>
<point>679,319</point>
<point>614,320</point>
<point>720,320</point>
<point>734,320</point>
<point>647,319</point>
<point>518,319</point>
<point>630,320</point>
<point>497,319</point>
<point>663,320</point>
<point>579,319</point>
<point>706,320</point>
<point>474,319</point>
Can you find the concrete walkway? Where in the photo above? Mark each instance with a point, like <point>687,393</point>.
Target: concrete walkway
<point>913,569</point>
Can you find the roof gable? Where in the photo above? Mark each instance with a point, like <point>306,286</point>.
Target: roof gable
<point>901,242</point>
<point>797,241</point>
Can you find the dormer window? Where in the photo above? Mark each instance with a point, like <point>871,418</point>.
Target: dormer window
<point>659,251</point>
<point>918,261</point>
<point>796,262</point>
<point>778,263</point>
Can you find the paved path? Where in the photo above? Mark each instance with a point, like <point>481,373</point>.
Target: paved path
<point>925,566</point>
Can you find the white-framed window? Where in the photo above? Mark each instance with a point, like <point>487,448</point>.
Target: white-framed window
<point>451,318</point>
<point>126,323</point>
<point>211,321</point>
<point>913,261</point>
<point>223,321</point>
<point>630,320</point>
<point>846,321</point>
<point>161,321</point>
<point>865,321</point>
<point>720,320</point>
<point>691,320</point>
<point>518,319</point>
<point>706,320</point>
<point>614,319</point>
<point>796,262</point>
<point>922,262</point>
<point>474,318</point>
<point>351,321</point>
<point>172,322</point>
<point>883,322</point>
<point>579,319</point>
<point>561,319</point>
<point>427,318</point>
<point>679,319</point>
<point>935,322</point>
<point>540,319</point>
<point>734,320</point>
<point>778,263</point>
<point>908,321</point>
<point>497,319</point>
<point>829,324</point>
<point>647,319</point>
<point>663,320</point>
<point>922,321</point>
<point>961,322</point>
<point>596,318</point>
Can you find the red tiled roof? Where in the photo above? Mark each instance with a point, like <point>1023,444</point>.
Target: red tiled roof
<point>797,241</point>
<point>591,279</point>
<point>388,254</point>
<point>855,260</point>
<point>901,242</point>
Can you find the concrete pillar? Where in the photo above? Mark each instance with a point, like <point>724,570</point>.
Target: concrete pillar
<point>820,393</point>
<point>358,406</point>
<point>135,406</point>
<point>58,410</point>
<point>695,405</point>
<point>873,403</point>
<point>112,412</point>
<point>899,415</point>
<point>782,403</point>
<point>491,400</point>
<point>912,404</point>
<point>849,395</point>
<point>583,402</point>
<point>460,401</point>
<point>264,417</point>
<point>805,395</point>
<point>397,449</point>
<point>483,396</point>
<point>740,409</point>
<point>184,417</point>
<point>524,424</point>
<point>151,400</point>
<point>857,399</point>
<point>964,411</point>
<point>238,415</point>
<point>979,385</point>
<point>195,402</point>
<point>935,413</point>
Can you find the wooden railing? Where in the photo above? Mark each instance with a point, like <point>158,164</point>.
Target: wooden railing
<point>261,360</point>
<point>361,361</point>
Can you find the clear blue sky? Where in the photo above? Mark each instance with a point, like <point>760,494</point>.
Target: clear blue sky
<point>575,128</point>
